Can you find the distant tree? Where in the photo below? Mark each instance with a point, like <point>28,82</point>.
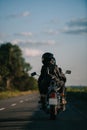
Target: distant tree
<point>12,63</point>
<point>25,83</point>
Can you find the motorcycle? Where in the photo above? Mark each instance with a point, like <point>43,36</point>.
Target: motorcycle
<point>52,103</point>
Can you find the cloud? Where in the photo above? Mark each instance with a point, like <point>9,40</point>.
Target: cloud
<point>33,42</point>
<point>1,42</point>
<point>3,35</point>
<point>28,52</point>
<point>75,30</point>
<point>50,42</point>
<point>15,15</point>
<point>51,32</point>
<point>24,14</point>
<point>31,52</point>
<point>23,42</point>
<point>54,21</point>
<point>28,34</point>
<point>81,22</point>
<point>76,26</point>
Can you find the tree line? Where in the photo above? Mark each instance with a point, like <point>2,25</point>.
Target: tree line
<point>14,70</point>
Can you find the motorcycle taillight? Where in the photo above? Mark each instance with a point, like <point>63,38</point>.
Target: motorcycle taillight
<point>53,95</point>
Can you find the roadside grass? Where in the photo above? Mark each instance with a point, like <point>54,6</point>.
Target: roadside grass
<point>72,93</point>
<point>77,89</point>
<point>75,93</point>
<point>78,97</point>
<point>9,94</point>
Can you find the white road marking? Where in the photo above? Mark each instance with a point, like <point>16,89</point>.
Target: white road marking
<point>21,101</point>
<point>26,99</point>
<point>14,104</point>
<point>30,98</point>
<point>2,109</point>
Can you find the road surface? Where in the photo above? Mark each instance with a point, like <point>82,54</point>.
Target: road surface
<point>23,113</point>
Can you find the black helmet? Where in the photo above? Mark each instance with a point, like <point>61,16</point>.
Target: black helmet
<point>46,58</point>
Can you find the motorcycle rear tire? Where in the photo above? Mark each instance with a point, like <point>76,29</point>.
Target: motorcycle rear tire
<point>53,112</point>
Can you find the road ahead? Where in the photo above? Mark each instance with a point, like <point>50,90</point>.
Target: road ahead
<point>23,113</point>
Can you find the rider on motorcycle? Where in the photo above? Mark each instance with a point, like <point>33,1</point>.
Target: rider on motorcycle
<point>48,71</point>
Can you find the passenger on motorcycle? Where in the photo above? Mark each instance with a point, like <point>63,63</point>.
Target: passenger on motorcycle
<point>48,71</point>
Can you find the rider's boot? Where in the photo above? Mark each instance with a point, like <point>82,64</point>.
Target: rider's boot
<point>42,102</point>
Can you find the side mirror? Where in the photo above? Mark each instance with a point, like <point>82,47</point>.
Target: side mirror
<point>33,74</point>
<point>68,71</point>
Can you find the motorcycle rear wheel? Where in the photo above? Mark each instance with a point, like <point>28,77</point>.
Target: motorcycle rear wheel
<point>53,112</point>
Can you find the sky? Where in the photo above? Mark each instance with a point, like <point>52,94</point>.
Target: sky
<point>56,26</point>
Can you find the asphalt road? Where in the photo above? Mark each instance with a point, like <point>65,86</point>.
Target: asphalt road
<point>23,113</point>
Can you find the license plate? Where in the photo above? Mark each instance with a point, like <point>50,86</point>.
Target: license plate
<point>52,101</point>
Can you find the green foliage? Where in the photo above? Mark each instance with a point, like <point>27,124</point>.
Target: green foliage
<point>33,85</point>
<point>25,83</point>
<point>14,70</point>
<point>77,89</point>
